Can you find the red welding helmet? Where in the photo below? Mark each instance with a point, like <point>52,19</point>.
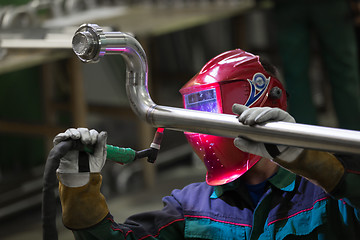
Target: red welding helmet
<point>232,77</point>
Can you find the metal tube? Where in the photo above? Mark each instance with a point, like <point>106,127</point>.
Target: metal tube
<point>35,43</point>
<point>90,43</point>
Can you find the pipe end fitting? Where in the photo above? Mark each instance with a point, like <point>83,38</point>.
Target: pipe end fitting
<point>86,42</point>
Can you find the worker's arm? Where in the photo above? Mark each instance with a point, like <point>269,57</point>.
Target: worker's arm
<point>321,168</point>
<point>79,179</point>
<point>84,208</point>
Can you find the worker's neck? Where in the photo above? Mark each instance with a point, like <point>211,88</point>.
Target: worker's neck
<point>261,171</point>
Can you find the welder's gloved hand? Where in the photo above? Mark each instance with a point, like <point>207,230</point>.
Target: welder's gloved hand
<point>80,180</point>
<point>261,115</point>
<point>76,165</point>
<point>321,168</point>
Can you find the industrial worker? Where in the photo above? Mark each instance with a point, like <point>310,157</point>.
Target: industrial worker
<point>252,190</point>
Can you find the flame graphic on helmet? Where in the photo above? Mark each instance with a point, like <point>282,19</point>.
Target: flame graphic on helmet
<point>258,85</point>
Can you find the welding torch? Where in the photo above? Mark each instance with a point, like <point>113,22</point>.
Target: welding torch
<point>126,155</point>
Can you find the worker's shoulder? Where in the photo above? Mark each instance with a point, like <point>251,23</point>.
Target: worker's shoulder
<point>194,190</point>
<point>195,187</point>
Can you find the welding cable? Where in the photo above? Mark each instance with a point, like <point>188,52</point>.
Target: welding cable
<point>48,211</point>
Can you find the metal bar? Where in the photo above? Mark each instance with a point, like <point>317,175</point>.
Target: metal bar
<point>90,43</point>
<point>35,43</point>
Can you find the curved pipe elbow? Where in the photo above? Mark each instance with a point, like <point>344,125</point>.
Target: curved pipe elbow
<point>90,43</point>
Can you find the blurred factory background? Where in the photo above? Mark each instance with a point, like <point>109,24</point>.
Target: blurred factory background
<point>45,89</point>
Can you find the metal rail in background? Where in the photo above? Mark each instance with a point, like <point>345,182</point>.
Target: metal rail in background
<point>35,43</point>
<point>90,43</point>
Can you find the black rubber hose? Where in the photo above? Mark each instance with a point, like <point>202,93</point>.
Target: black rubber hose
<point>48,214</point>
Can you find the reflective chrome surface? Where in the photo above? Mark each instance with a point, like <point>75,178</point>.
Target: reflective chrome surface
<point>90,43</point>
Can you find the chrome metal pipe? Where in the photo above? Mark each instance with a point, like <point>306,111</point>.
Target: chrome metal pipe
<point>90,43</point>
